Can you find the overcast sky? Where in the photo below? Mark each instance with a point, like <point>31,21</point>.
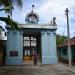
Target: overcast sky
<point>47,9</point>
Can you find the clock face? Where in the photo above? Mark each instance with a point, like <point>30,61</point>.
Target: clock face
<point>32,19</point>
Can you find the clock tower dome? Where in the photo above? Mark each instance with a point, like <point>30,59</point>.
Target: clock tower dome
<point>32,17</point>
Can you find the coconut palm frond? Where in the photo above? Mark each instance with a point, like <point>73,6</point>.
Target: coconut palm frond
<point>10,22</point>
<point>6,8</point>
<point>7,3</point>
<point>11,2</point>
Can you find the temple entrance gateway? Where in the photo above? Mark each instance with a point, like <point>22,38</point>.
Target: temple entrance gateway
<point>31,41</point>
<point>21,45</point>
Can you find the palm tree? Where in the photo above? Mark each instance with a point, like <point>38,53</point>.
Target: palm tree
<point>7,3</point>
<point>10,2</point>
<point>8,7</point>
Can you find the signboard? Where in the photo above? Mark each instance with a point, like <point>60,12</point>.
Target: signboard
<point>13,53</point>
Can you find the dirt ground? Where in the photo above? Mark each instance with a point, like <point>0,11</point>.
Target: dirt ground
<point>35,70</point>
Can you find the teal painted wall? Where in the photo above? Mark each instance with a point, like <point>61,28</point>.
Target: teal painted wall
<point>65,57</point>
<point>73,52</point>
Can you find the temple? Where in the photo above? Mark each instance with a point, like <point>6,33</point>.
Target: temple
<point>32,37</point>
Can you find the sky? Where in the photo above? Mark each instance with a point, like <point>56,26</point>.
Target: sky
<point>47,9</point>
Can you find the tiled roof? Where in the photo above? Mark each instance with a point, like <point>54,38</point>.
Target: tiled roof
<point>72,42</point>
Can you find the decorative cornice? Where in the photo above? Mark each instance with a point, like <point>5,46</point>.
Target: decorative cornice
<point>40,26</point>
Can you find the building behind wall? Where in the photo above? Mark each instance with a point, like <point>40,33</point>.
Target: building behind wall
<point>63,51</point>
<point>3,40</point>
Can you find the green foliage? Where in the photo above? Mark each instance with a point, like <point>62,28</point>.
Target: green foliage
<point>60,39</point>
<point>8,6</point>
<point>7,3</point>
<point>10,22</point>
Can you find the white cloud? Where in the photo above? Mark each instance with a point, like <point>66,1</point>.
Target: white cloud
<point>56,8</point>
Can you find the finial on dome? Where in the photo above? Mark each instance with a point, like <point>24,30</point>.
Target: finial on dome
<point>32,7</point>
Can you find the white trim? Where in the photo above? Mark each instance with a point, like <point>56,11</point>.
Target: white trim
<point>45,26</point>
